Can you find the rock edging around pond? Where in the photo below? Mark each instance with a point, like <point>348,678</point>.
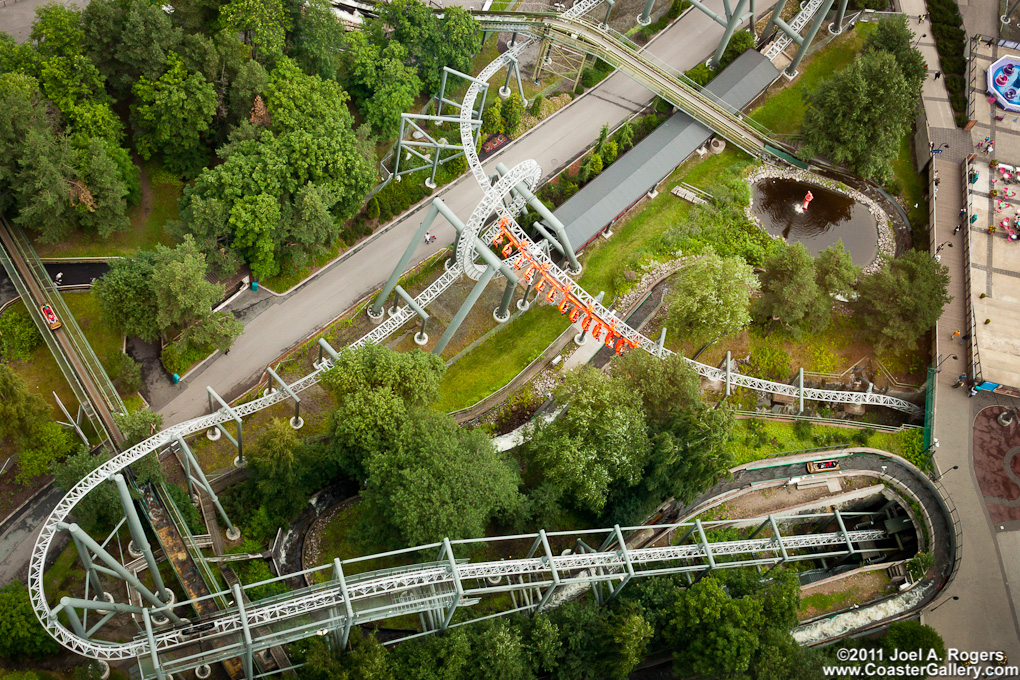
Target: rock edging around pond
<point>885,236</point>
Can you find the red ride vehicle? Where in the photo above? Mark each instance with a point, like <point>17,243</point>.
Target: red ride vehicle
<point>51,318</point>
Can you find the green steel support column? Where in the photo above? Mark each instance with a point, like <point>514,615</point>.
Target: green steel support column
<point>779,539</point>
<point>398,152</point>
<point>502,315</point>
<point>550,219</point>
<point>90,567</point>
<point>661,344</point>
<point>750,25</point>
<point>791,70</point>
<point>431,181</point>
<point>442,94</point>
<point>549,238</point>
<point>420,338</point>
<point>296,422</point>
<point>520,86</point>
<point>836,27</point>
<point>626,558</point>
<point>233,533</point>
<point>103,606</point>
<point>118,568</point>
<point>349,621</point>
<point>731,25</point>
<point>152,645</point>
<point>645,17</point>
<point>328,349</point>
<point>72,618</point>
<point>246,658</point>
<point>458,319</point>
<point>775,16</point>
<point>523,303</point>
<point>758,530</point>
<point>138,535</point>
<point>375,311</point>
<point>705,545</point>
<point>504,91</point>
<point>609,10</point>
<point>842,530</point>
<point>448,551</point>
<point>552,568</point>
<point>224,406</point>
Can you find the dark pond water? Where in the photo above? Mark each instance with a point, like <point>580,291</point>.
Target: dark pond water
<point>829,218</point>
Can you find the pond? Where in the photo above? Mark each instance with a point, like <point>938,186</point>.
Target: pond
<point>829,217</point>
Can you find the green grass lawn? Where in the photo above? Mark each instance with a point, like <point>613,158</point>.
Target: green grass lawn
<point>912,184</point>
<point>496,361</point>
<point>106,341</point>
<point>777,438</point>
<point>784,111</point>
<point>145,231</point>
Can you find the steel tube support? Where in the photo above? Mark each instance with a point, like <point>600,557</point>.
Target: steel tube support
<point>338,570</point>
<point>448,551</point>
<point>733,21</point>
<point>462,313</point>
<point>138,535</point>
<point>552,568</point>
<point>207,487</point>
<point>376,309</point>
<point>224,406</point>
<point>90,567</point>
<point>147,620</point>
<point>645,17</point>
<point>549,238</point>
<point>502,315</point>
<point>79,535</point>
<point>661,344</point>
<point>840,14</point>
<point>791,70</point>
<point>772,19</point>
<point>728,378</point>
<point>550,219</point>
<point>800,391</point>
<point>246,658</point>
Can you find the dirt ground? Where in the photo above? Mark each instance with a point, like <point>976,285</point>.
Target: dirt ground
<point>765,501</point>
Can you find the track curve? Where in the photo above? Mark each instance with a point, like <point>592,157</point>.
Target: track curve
<point>492,202</point>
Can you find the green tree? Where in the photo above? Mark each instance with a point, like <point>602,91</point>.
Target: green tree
<point>492,120</point>
<point>138,425</point>
<point>711,633</point>
<point>741,42</point>
<point>631,634</point>
<point>394,87</point>
<point>373,388</point>
<point>903,299</point>
<point>439,481</point>
<point>598,440</point>
<point>217,331</point>
<point>106,213</point>
<point>254,220</point>
<point>365,659</point>
<point>320,39</point>
<point>173,114</point>
<point>835,272</point>
<point>789,292</point>
<point>461,40</point>
<point>25,420</point>
<point>892,35</point>
<point>100,509</point>
<point>911,635</point>
<point>712,297</point>
<point>263,23</point>
<point>435,657</point>
<point>250,82</point>
<point>542,644</point>
<point>274,468</point>
<point>181,290</point>
<point>18,334</point>
<point>21,636</point>
<point>57,30</point>
<point>48,442</point>
<point>497,652</point>
<point>858,115</point>
<point>626,135</point>
<point>512,111</point>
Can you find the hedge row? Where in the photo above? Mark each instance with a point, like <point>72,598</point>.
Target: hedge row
<point>950,42</point>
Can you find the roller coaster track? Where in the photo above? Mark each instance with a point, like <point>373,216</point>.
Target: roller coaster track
<point>445,584</point>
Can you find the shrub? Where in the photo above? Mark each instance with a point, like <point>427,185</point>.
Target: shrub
<point>739,43</point>
<point>677,8</point>
<point>536,105</point>
<point>128,373</point>
<point>192,517</point>
<point>372,211</point>
<point>21,636</point>
<point>579,90</point>
<point>18,334</point>
<point>701,74</point>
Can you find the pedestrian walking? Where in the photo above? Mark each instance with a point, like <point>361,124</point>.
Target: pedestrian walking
<point>957,230</point>
<point>920,18</point>
<point>964,339</point>
<point>963,213</point>
<point>973,391</point>
<point>959,381</point>
<point>58,278</point>
<point>428,237</point>
<point>938,74</point>
<point>956,334</point>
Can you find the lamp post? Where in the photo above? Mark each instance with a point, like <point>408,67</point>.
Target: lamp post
<point>955,467</point>
<point>938,366</point>
<point>952,599</point>
<point>923,35</point>
<point>943,245</point>
<point>930,452</point>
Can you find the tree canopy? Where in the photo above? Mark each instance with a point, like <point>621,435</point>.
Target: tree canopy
<point>903,299</point>
<point>21,636</point>
<point>858,115</point>
<point>711,297</point>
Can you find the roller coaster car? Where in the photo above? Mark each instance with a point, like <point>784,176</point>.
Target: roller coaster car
<point>823,466</point>
<point>51,318</point>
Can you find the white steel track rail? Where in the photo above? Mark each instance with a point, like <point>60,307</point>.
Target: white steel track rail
<point>409,583</point>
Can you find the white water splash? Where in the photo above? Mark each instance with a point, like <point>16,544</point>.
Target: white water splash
<point>858,618</point>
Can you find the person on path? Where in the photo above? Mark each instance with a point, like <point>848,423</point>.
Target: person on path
<point>959,381</point>
<point>938,74</point>
<point>963,213</point>
<point>58,278</point>
<point>428,237</point>
<point>973,391</point>
<point>920,18</point>
<point>956,334</point>
<point>957,230</point>
<point>964,339</point>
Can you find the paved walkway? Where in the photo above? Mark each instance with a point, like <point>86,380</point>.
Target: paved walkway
<point>276,327</point>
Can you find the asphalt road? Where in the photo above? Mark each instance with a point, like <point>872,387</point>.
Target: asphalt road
<point>284,322</point>
<point>18,536</point>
